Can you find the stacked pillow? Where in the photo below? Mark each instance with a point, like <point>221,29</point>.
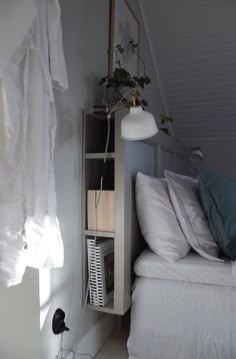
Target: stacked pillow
<point>171,216</point>
<point>218,197</point>
<point>186,202</point>
<point>157,218</point>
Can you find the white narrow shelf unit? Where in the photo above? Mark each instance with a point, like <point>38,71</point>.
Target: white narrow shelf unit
<point>124,160</point>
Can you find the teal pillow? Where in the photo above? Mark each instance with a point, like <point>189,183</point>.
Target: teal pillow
<point>218,197</point>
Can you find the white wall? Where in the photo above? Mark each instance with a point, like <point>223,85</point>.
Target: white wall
<point>19,319</point>
<point>219,155</point>
<point>85,29</point>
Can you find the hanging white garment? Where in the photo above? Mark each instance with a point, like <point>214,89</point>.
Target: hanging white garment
<point>30,233</point>
<point>16,18</point>
<point>42,232</point>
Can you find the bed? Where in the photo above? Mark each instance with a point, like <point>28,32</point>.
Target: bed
<point>183,310</point>
<point>184,294</point>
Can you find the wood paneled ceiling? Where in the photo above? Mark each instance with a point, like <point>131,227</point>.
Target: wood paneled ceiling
<point>194,44</point>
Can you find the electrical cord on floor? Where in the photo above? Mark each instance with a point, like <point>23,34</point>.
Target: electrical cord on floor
<point>60,354</point>
<point>73,350</point>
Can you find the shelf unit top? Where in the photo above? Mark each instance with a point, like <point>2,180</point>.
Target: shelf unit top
<point>98,116</point>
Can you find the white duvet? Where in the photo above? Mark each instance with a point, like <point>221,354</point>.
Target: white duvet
<point>180,320</point>
<point>183,310</point>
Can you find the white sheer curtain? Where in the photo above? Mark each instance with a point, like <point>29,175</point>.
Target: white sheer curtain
<point>29,228</point>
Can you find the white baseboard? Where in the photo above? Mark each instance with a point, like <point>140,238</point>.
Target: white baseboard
<point>92,342</point>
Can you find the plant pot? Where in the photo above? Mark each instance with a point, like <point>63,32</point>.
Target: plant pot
<point>113,95</point>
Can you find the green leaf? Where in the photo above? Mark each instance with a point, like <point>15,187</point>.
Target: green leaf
<point>103,80</point>
<point>144,102</point>
<point>133,43</point>
<point>165,118</point>
<point>121,50</point>
<point>147,80</point>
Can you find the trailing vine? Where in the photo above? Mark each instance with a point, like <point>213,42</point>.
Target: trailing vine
<point>122,78</point>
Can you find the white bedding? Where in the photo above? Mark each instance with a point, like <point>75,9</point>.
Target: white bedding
<point>192,268</point>
<point>182,320</point>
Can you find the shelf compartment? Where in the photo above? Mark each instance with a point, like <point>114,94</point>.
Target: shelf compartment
<point>99,234</point>
<point>109,308</point>
<point>98,126</point>
<point>94,169</point>
<point>101,217</point>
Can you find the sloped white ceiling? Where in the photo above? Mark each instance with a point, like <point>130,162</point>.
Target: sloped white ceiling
<point>194,43</point>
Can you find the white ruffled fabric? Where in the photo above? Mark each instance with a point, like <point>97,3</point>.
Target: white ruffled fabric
<point>29,229</point>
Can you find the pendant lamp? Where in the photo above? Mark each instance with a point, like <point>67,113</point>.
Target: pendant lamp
<point>138,124</point>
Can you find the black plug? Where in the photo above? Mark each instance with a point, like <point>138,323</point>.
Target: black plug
<point>58,322</point>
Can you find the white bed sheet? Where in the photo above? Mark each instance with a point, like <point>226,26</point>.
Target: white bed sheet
<point>192,268</point>
<point>182,320</point>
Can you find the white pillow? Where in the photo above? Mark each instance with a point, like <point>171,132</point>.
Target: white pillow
<point>185,199</point>
<point>157,218</point>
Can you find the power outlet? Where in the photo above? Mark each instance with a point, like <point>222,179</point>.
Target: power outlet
<point>58,322</point>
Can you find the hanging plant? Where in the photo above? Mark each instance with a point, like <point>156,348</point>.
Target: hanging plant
<point>121,78</point>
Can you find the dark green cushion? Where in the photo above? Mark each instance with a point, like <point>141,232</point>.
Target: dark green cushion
<point>218,197</point>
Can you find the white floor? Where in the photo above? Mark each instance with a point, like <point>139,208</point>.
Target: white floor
<point>116,346</point>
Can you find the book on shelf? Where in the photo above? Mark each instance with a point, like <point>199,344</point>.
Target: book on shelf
<point>101,270</point>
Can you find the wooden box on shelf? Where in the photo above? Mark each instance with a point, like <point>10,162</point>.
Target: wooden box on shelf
<point>101,218</point>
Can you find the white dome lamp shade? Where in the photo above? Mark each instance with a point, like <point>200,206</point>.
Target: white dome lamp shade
<point>138,124</point>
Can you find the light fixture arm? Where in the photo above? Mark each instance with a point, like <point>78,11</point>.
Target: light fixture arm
<point>134,100</point>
